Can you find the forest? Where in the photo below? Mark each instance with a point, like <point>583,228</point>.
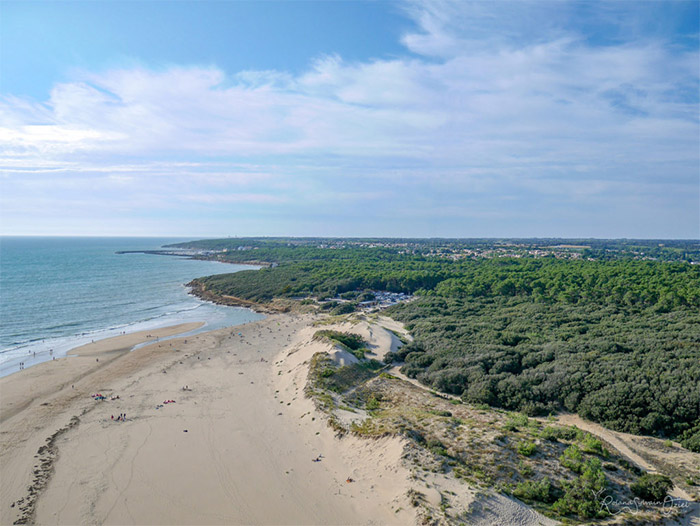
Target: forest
<point>631,370</point>
<point>615,339</point>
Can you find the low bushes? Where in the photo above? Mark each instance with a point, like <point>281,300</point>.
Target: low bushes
<point>652,487</point>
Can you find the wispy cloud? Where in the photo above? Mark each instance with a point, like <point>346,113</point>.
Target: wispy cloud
<point>496,99</point>
<point>234,198</point>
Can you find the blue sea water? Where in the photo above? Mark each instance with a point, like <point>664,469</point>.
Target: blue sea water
<point>59,293</point>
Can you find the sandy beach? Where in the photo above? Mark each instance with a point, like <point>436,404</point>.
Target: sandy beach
<point>215,428</point>
<point>236,445</point>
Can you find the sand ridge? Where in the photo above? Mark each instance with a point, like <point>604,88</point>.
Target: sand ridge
<point>129,341</point>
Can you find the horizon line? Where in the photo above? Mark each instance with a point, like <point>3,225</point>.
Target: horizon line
<point>200,238</point>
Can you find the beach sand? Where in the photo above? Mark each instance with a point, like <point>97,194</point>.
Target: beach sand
<point>239,444</point>
<point>129,341</point>
<point>236,447</point>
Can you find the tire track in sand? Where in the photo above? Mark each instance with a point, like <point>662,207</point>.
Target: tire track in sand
<point>131,476</point>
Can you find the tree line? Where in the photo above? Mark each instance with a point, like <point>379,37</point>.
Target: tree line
<point>614,340</point>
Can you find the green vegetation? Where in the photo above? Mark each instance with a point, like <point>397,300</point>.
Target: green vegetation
<point>562,480</point>
<point>372,403</point>
<point>582,495</point>
<point>556,433</point>
<point>624,283</point>
<point>347,376</point>
<point>652,487</point>
<point>347,339</point>
<point>527,448</point>
<point>326,375</point>
<point>607,329</point>
<point>353,343</point>
<point>516,421</point>
<point>590,444</point>
<point>572,458</point>
<point>343,308</point>
<point>530,490</point>
<point>634,370</point>
<point>270,249</point>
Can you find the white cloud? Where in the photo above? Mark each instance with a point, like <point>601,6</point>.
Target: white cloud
<point>407,107</point>
<point>490,100</point>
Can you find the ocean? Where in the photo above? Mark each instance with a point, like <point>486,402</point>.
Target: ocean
<point>59,293</point>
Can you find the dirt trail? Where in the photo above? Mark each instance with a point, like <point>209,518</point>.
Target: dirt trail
<point>627,445</point>
<point>613,438</point>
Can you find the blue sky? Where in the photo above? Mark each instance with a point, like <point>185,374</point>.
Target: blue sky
<point>375,118</point>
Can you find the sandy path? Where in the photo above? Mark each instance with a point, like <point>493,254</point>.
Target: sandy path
<point>613,438</point>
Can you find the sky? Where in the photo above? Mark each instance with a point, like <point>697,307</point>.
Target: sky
<point>361,118</point>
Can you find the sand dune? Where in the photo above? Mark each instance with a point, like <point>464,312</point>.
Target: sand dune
<point>235,448</point>
<point>238,444</point>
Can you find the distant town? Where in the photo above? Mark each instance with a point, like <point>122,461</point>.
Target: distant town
<point>256,249</point>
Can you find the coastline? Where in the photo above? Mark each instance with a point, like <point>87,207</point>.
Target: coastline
<point>59,293</point>
<point>219,429</point>
<point>198,289</point>
<point>236,447</point>
<point>21,388</point>
<point>129,341</point>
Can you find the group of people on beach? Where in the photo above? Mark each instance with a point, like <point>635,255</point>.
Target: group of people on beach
<point>165,402</point>
<point>21,364</point>
<point>120,418</point>
<point>100,396</point>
